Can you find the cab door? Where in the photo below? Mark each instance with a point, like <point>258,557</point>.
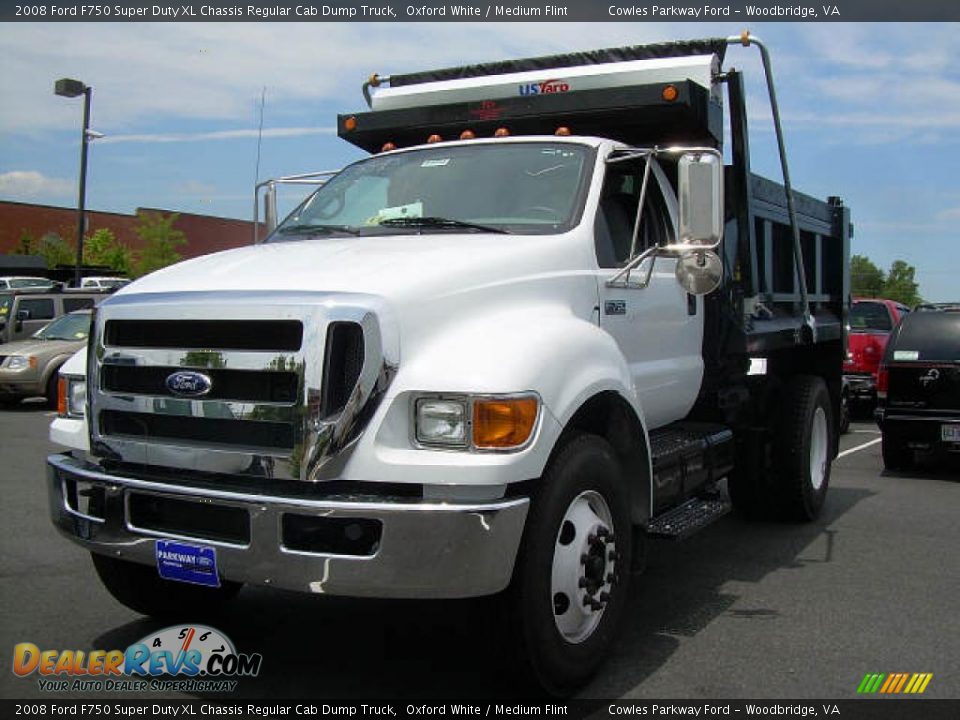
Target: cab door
<point>657,325</point>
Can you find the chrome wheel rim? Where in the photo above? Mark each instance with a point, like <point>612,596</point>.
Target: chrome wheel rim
<point>584,566</point>
<point>818,449</point>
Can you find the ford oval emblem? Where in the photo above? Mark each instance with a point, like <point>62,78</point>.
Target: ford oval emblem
<point>187,383</point>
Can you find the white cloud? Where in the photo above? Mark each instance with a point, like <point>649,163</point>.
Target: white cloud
<point>195,187</point>
<point>217,135</point>
<point>30,184</point>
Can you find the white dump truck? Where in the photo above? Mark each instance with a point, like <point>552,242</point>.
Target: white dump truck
<point>538,325</point>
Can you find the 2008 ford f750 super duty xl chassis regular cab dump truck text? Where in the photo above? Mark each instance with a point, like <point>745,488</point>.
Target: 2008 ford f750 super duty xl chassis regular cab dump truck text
<point>537,326</point>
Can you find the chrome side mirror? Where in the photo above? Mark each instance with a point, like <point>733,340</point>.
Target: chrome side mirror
<point>700,180</point>
<point>699,272</point>
<point>270,208</point>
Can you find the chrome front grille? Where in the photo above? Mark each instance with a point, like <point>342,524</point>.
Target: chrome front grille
<point>285,376</point>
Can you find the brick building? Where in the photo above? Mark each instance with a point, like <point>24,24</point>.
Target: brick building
<point>205,233</point>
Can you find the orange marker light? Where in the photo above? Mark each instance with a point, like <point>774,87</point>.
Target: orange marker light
<point>61,397</point>
<point>387,147</point>
<point>467,135</point>
<point>434,138</point>
<point>501,132</point>
<point>350,124</point>
<point>670,93</point>
<point>504,423</point>
<point>563,131</point>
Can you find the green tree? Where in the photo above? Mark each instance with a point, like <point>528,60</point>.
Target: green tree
<point>103,248</point>
<point>56,251</point>
<point>866,279</point>
<point>900,284</point>
<point>25,245</point>
<point>160,241</point>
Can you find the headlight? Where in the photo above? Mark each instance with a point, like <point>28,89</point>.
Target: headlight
<point>482,423</point>
<point>72,396</point>
<point>20,362</point>
<point>441,422</point>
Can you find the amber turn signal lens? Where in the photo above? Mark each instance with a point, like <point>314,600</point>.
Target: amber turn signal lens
<point>434,138</point>
<point>562,131</point>
<point>670,93</point>
<point>467,135</point>
<point>387,147</point>
<point>501,132</point>
<point>504,423</point>
<point>61,397</point>
<point>350,124</point>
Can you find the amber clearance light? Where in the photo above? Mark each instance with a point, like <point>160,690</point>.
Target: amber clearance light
<point>670,93</point>
<point>62,396</point>
<point>503,423</point>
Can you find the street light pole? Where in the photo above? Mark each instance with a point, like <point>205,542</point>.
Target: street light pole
<point>82,200</point>
<point>66,87</point>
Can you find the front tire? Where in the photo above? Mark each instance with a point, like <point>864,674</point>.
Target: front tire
<point>141,589</point>
<point>571,582</point>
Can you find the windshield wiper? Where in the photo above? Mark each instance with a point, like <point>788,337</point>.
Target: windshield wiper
<point>316,229</point>
<point>439,222</point>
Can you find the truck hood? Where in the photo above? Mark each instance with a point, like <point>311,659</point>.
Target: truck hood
<point>41,348</point>
<point>396,267</point>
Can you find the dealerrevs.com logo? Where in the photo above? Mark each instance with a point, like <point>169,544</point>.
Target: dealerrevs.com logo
<point>180,657</point>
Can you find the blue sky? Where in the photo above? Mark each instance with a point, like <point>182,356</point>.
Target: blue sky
<point>871,111</point>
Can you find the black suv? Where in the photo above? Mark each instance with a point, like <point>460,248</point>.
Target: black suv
<point>918,387</point>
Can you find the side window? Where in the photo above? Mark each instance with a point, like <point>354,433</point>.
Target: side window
<point>39,308</point>
<point>71,304</point>
<point>617,214</point>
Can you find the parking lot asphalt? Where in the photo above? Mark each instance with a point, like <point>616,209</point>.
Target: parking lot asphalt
<point>741,610</point>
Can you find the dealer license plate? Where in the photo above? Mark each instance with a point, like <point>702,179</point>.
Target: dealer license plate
<point>185,562</point>
<point>950,433</point>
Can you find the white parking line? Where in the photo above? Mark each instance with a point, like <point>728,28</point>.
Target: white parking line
<point>866,432</point>
<point>859,447</point>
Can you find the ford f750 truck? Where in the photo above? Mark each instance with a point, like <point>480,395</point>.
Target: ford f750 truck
<point>538,325</point>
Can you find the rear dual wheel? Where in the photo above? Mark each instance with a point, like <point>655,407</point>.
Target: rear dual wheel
<point>801,457</point>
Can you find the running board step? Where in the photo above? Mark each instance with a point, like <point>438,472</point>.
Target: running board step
<point>686,519</point>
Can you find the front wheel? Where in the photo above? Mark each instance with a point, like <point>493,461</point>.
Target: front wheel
<point>141,589</point>
<point>571,581</point>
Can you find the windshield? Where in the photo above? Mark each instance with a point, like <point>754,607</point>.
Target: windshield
<point>870,317</point>
<point>75,326</point>
<point>108,283</point>
<point>524,188</point>
<point>28,282</point>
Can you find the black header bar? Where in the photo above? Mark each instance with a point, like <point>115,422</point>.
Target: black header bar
<point>748,13</point>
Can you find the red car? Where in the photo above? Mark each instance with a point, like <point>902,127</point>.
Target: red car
<point>871,322</point>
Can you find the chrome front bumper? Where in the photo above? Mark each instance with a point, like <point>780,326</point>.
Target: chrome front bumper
<point>424,550</point>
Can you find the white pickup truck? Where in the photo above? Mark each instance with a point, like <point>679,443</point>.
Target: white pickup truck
<point>537,326</point>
